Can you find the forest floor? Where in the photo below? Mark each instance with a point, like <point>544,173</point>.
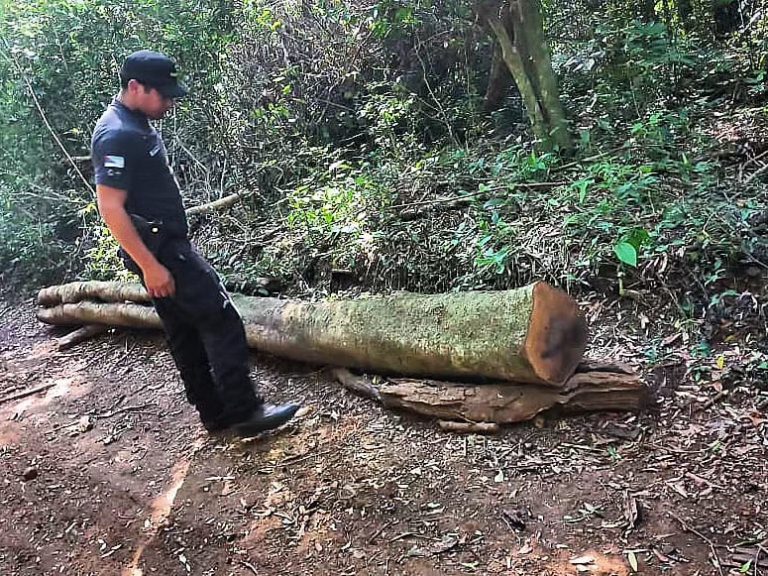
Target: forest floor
<point>107,471</point>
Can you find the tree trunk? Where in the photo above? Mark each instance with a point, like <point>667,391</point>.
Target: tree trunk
<point>532,335</point>
<point>123,314</point>
<point>514,62</point>
<point>725,16</point>
<point>519,30</point>
<point>94,290</point>
<point>648,10</point>
<point>499,82</point>
<point>526,17</point>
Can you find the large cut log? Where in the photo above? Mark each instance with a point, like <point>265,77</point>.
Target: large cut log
<point>610,387</point>
<point>532,335</point>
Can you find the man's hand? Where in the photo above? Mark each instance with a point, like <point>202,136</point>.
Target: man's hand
<point>159,281</point>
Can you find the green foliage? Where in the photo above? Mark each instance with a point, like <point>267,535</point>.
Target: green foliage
<point>102,260</point>
<point>644,204</point>
<point>361,134</point>
<point>335,211</point>
<point>338,204</point>
<point>30,252</point>
<point>68,52</point>
<point>389,18</point>
<point>388,119</point>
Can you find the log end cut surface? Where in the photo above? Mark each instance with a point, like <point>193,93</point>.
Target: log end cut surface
<point>557,336</point>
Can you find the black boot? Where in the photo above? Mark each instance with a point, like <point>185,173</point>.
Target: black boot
<point>213,424</point>
<point>265,417</point>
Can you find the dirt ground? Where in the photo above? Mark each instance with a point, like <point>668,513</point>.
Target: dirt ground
<point>107,471</point>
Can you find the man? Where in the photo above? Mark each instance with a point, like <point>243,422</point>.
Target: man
<point>139,199</point>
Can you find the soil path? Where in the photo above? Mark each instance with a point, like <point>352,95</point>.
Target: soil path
<point>107,472</point>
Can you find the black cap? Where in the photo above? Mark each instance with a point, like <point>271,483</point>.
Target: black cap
<point>155,70</point>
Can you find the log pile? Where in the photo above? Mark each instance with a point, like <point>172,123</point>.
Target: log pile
<point>472,357</point>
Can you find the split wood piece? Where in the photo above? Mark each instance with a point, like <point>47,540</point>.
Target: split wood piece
<point>468,427</point>
<point>533,334</point>
<point>220,204</point>
<point>595,387</point>
<point>80,335</point>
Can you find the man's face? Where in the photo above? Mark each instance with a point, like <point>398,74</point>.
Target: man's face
<point>151,102</point>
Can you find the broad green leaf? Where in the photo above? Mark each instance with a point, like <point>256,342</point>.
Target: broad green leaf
<point>626,253</point>
<point>638,237</point>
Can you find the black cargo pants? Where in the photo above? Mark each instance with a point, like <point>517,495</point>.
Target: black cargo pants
<point>206,336</point>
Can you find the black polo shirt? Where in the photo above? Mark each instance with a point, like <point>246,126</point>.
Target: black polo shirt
<point>128,153</point>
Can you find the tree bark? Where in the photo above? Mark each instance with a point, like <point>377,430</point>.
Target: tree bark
<point>594,387</point>
<point>533,334</point>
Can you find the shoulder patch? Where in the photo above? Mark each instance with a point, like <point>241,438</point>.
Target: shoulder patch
<point>114,162</point>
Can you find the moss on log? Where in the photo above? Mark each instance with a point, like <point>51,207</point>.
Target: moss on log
<point>533,334</point>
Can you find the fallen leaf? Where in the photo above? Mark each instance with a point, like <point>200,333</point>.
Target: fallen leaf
<point>756,418</point>
<point>448,541</point>
<point>515,518</point>
<point>84,424</point>
<point>631,511</point>
<point>679,489</point>
<point>670,339</point>
<point>632,560</point>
